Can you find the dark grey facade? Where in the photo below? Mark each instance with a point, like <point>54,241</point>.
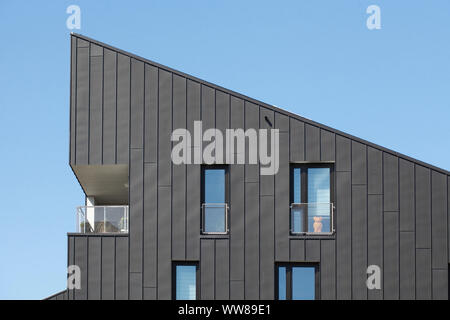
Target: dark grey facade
<point>391,210</point>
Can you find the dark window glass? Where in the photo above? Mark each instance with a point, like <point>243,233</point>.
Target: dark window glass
<point>311,202</point>
<point>297,282</point>
<point>303,283</point>
<point>186,282</point>
<point>214,205</point>
<point>282,283</point>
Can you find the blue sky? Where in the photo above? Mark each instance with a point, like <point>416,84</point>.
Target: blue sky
<point>313,58</point>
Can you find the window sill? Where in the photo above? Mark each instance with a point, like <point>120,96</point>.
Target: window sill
<point>215,235</point>
<point>325,236</point>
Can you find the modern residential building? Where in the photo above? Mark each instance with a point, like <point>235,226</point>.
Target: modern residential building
<point>153,228</point>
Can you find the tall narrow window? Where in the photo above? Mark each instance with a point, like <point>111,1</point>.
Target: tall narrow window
<point>214,200</point>
<point>185,279</point>
<point>311,199</point>
<point>298,282</point>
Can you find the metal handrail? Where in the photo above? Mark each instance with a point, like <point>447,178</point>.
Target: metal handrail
<point>218,205</point>
<point>112,219</point>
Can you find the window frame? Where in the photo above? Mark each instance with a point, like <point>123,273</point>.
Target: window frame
<point>304,194</point>
<point>227,194</point>
<point>289,266</point>
<point>174,277</point>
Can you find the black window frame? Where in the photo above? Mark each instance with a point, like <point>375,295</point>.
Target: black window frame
<point>304,192</point>
<point>289,266</point>
<point>174,277</point>
<point>227,197</point>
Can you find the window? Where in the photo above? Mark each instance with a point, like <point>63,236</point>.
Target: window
<point>297,282</point>
<point>214,200</point>
<point>185,281</point>
<point>311,198</point>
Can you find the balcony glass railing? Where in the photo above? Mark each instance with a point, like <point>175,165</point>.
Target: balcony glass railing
<point>215,218</point>
<point>312,218</point>
<point>102,219</point>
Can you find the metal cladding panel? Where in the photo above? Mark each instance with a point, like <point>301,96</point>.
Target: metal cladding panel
<point>73,95</point>
<point>267,248</point>
<point>327,146</point>
<point>423,274</point>
<point>375,238</point>
<point>179,174</point>
<point>150,224</point>
<point>207,267</point>
<point>108,268</point>
<point>297,250</point>
<point>94,268</point>
<point>391,256</point>
<point>164,244</point>
<point>96,110</point>
<point>266,122</point>
<point>297,140</point>
<point>237,223</point>
<point>282,202</point>
<point>150,293</point>
<point>237,198</point>
<point>236,290</point>
<point>440,284</point>
<point>390,185</point>
<point>343,154</point>
<point>193,196</point>
<point>82,106</point>
<point>359,241</point>
<point>137,104</point>
<point>71,261</point>
<point>222,118</point>
<point>407,266</point>
<point>222,270</point>
<point>208,107</point>
<point>423,208</point>
<point>312,143</point>
<point>252,241</point>
<point>328,269</point>
<point>81,257</point>
<point>136,286</point>
<point>281,122</point>
<point>251,122</point>
<point>439,221</point>
<point>407,205</point>
<point>109,106</point>
<point>312,250</point>
<point>165,129</point>
<point>359,163</point>
<point>374,171</point>
<point>151,114</point>
<point>343,235</point>
<point>122,268</point>
<point>123,108</point>
<point>136,208</point>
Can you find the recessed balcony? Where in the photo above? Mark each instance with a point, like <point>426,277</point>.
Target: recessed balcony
<point>102,219</point>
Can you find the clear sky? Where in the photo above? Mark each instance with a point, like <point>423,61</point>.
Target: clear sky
<point>314,58</point>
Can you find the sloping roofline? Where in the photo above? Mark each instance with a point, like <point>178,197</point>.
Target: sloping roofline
<point>260,103</point>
